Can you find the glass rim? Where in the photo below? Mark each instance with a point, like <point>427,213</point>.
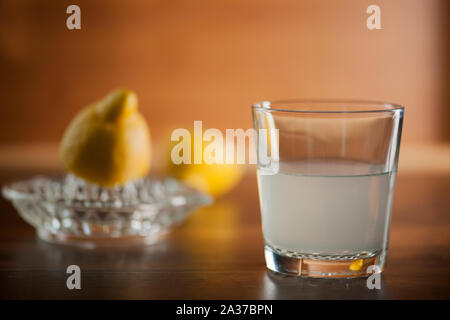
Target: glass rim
<point>315,105</point>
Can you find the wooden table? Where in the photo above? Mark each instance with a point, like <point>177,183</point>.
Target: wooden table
<point>218,254</point>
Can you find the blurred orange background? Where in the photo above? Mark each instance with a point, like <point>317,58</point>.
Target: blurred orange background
<point>210,60</point>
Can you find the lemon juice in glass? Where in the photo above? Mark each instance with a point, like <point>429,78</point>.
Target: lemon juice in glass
<point>326,182</point>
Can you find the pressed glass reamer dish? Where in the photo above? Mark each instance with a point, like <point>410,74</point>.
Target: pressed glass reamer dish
<point>69,210</point>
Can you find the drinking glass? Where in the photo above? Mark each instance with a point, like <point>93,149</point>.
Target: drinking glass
<point>326,175</point>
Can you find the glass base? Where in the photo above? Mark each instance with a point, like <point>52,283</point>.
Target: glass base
<point>326,267</point>
<point>99,242</point>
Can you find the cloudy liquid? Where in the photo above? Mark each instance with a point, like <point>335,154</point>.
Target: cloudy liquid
<point>323,208</point>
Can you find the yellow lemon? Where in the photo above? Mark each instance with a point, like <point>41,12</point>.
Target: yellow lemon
<point>214,179</point>
<point>108,142</point>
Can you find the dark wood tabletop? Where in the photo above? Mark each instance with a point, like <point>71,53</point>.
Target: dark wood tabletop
<point>218,254</point>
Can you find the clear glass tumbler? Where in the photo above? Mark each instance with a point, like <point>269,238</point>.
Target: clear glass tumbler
<point>326,175</point>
